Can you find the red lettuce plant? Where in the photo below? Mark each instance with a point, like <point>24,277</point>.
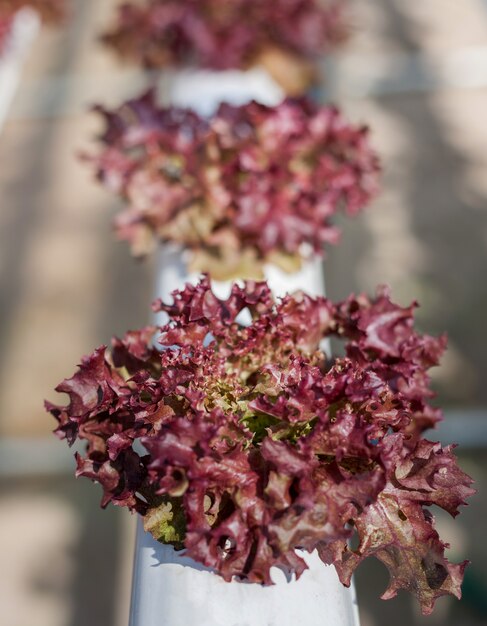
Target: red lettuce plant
<point>255,443</point>
<point>226,34</point>
<point>252,185</point>
<point>6,23</point>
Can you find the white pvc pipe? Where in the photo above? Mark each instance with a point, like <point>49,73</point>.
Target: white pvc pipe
<point>173,590</point>
<point>25,27</point>
<point>204,90</point>
<point>171,273</point>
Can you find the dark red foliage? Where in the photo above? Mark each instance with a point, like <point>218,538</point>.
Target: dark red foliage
<point>243,443</point>
<point>252,185</point>
<point>6,22</point>
<point>223,34</point>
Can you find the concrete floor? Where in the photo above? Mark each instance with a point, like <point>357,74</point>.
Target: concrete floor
<point>416,73</point>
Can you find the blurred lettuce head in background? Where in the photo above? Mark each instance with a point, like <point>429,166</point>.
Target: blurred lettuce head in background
<point>249,186</point>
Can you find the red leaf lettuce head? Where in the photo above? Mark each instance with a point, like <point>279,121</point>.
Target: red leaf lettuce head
<point>223,34</point>
<point>252,185</point>
<point>242,443</point>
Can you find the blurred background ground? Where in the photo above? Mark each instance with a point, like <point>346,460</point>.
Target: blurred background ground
<point>416,72</point>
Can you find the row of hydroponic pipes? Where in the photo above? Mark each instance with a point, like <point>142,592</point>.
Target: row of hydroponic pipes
<point>252,455</point>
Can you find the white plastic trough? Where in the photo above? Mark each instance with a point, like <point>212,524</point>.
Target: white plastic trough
<point>25,28</point>
<point>171,590</point>
<point>204,90</point>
